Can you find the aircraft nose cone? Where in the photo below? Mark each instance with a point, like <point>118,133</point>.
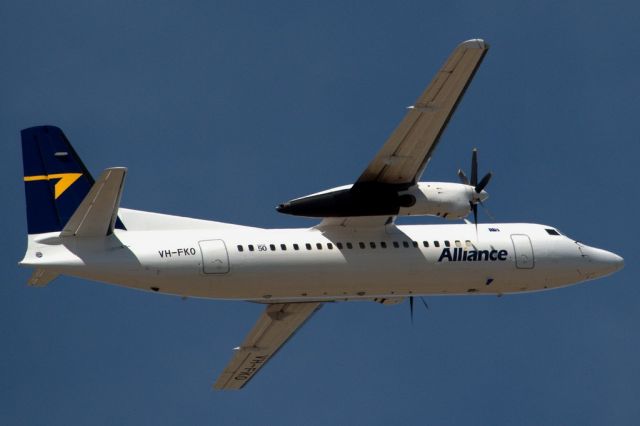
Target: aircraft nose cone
<point>611,261</point>
<point>602,262</point>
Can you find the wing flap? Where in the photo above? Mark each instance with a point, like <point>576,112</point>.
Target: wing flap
<point>405,154</point>
<point>41,277</point>
<point>97,213</point>
<point>355,222</point>
<point>275,326</point>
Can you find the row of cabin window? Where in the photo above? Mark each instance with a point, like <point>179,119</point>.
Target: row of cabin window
<point>362,245</point>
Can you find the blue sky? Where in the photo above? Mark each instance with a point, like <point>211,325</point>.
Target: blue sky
<point>222,110</point>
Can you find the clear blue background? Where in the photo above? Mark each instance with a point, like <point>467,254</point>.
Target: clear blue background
<point>221,110</point>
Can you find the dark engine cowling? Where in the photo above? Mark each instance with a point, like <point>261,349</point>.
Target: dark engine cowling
<point>449,200</point>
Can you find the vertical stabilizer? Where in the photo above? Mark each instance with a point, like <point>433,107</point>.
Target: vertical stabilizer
<point>56,181</point>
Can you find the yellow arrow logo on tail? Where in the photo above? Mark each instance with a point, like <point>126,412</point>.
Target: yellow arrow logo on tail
<point>66,180</point>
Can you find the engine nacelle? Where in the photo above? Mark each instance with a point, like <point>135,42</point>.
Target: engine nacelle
<point>444,199</point>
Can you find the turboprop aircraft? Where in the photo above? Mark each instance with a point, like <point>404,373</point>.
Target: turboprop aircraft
<point>76,227</point>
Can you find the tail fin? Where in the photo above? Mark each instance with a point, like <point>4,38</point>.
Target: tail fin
<point>56,181</point>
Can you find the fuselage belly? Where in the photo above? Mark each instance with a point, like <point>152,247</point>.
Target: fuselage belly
<point>329,264</point>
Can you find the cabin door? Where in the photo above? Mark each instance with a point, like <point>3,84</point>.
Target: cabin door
<point>523,251</point>
<point>215,259</point>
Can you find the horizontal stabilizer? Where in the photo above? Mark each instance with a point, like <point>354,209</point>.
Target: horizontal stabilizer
<point>97,213</point>
<point>41,277</point>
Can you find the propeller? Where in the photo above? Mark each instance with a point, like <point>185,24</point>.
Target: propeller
<point>411,306</point>
<point>478,187</point>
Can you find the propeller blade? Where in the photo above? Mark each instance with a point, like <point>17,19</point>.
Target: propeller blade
<point>463,177</point>
<point>474,207</point>
<point>474,167</point>
<point>483,183</point>
<point>411,308</point>
<point>486,210</point>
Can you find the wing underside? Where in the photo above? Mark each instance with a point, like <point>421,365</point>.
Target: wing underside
<point>406,153</point>
<point>374,199</point>
<point>275,326</point>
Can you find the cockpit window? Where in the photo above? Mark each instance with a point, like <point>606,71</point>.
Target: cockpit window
<point>552,231</point>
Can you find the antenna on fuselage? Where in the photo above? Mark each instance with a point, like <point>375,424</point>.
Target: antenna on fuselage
<point>411,306</point>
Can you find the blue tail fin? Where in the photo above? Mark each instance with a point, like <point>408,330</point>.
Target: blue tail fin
<point>56,181</point>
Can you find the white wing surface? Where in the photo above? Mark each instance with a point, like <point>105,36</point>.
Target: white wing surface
<point>406,153</point>
<point>275,326</point>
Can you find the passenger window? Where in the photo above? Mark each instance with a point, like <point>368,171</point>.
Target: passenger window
<point>436,243</point>
<point>425,243</point>
<point>319,246</point>
<point>458,243</point>
<point>296,247</point>
<point>395,244</point>
<point>361,244</point>
<point>372,245</point>
<point>415,244</point>
<point>283,247</point>
<point>349,246</point>
<point>339,245</point>
<point>447,243</point>
<point>308,246</point>
<point>330,246</point>
<point>272,247</point>
<point>468,243</point>
<point>405,244</point>
<point>383,244</point>
<point>250,247</point>
<point>240,248</point>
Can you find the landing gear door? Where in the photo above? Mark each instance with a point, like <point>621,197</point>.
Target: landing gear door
<point>215,259</point>
<point>523,251</point>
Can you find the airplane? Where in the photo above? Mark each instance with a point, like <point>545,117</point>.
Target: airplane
<point>76,227</point>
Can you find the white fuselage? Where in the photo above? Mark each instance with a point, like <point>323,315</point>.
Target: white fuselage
<point>331,263</point>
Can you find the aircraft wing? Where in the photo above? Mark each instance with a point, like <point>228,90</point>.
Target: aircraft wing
<point>42,277</point>
<point>355,222</point>
<point>406,153</point>
<point>275,326</point>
